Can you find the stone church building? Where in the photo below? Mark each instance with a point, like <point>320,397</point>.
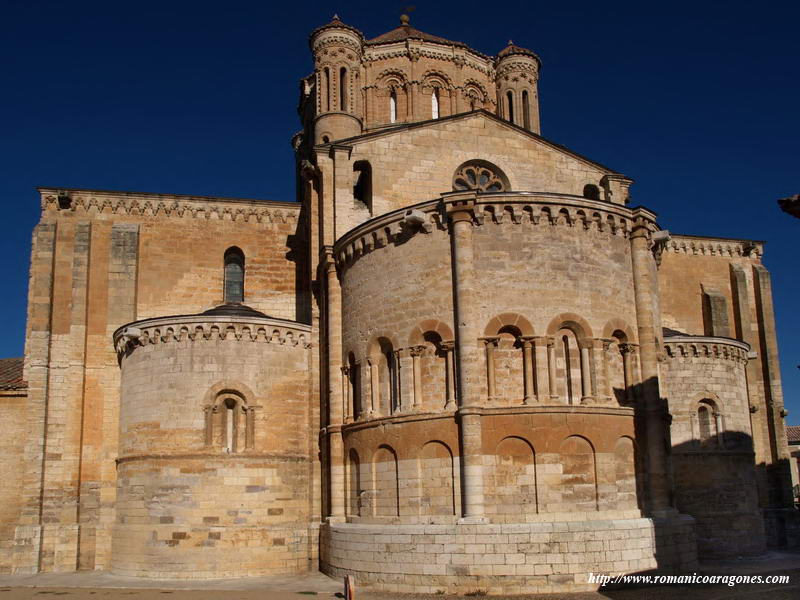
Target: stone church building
<point>461,360</point>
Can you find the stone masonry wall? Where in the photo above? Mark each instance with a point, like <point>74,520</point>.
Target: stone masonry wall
<point>100,260</point>
<point>712,445</point>
<point>189,504</point>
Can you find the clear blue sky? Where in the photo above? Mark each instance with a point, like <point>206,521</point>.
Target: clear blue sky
<point>698,102</point>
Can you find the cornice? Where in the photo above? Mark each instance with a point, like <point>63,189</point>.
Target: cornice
<point>151,205</point>
<point>703,246</point>
<point>200,328</point>
<point>525,209</point>
<point>706,347</point>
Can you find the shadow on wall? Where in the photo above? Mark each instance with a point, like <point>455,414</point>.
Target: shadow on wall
<point>714,480</point>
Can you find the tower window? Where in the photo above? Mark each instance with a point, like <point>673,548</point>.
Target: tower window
<point>326,76</point>
<point>510,101</point>
<point>234,275</point>
<point>343,89</point>
<point>526,110</point>
<point>435,104</point>
<point>393,107</point>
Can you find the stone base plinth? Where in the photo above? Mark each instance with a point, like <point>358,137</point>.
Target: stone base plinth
<point>516,558</point>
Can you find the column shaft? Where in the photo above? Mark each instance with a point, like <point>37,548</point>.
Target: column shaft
<point>658,480</point>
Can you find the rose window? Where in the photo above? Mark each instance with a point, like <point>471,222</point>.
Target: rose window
<point>482,178</point>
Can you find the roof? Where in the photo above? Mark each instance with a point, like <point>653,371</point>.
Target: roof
<point>512,49</point>
<point>335,23</point>
<point>793,434</point>
<point>234,309</point>
<point>11,374</point>
<point>406,32</point>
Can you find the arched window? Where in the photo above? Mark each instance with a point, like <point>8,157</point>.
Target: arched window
<point>229,423</point>
<point>234,275</point>
<point>481,176</point>
<point>326,85</point>
<point>343,89</point>
<point>435,103</point>
<point>526,110</point>
<point>709,421</point>
<point>393,106</point>
<point>591,191</point>
<point>510,102</point>
<point>362,189</point>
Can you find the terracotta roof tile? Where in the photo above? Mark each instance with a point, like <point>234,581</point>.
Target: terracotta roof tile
<point>793,433</point>
<point>405,32</point>
<point>11,374</point>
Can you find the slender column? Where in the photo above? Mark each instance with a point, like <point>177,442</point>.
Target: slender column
<point>551,367</point>
<point>416,353</point>
<point>628,352</point>
<point>658,480</point>
<point>541,382</point>
<point>718,423</point>
<point>490,344</point>
<point>396,404</point>
<point>527,368</point>
<point>607,357</point>
<point>586,373</point>
<point>460,212</point>
<point>448,347</point>
<point>374,390</point>
<point>335,402</point>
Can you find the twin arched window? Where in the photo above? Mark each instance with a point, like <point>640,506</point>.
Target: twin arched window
<point>234,275</point>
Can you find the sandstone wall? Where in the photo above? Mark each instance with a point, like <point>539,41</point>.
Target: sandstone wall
<point>14,416</point>
<point>209,489</point>
<point>100,260</point>
<point>713,459</point>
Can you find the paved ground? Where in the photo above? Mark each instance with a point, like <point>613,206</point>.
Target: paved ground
<point>103,586</point>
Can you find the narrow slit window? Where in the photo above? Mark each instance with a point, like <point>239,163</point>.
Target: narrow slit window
<point>510,100</point>
<point>234,275</point>
<point>526,110</point>
<point>435,104</point>
<point>393,107</point>
<point>343,89</point>
<point>326,75</point>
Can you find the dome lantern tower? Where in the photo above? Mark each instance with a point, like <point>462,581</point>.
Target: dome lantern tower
<point>337,50</point>
<point>517,94</point>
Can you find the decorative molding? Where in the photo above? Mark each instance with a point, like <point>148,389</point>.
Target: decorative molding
<point>684,244</point>
<point>198,328</point>
<point>706,347</point>
<point>518,208</point>
<point>153,205</point>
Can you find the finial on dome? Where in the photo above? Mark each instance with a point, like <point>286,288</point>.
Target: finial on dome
<point>404,19</point>
<point>335,17</point>
<point>510,42</point>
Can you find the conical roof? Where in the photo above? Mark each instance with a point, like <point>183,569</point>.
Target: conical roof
<point>336,23</point>
<point>512,49</point>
